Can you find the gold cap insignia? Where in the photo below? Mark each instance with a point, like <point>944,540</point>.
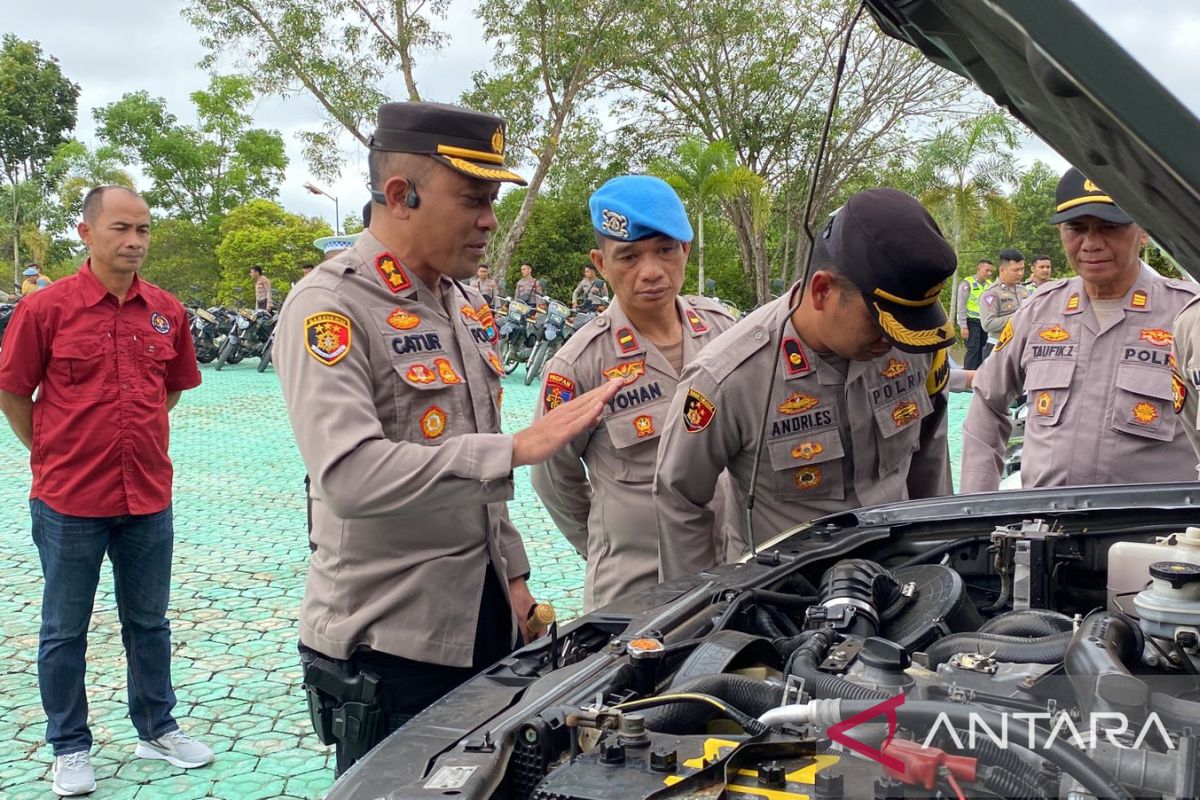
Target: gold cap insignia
<point>498,140</point>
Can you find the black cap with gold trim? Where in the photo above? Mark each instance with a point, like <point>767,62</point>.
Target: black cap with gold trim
<point>1078,196</point>
<point>470,142</point>
<point>890,247</point>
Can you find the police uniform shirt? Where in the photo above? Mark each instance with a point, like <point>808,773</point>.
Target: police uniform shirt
<point>487,287</point>
<point>1186,378</point>
<point>587,288</point>
<point>607,511</point>
<point>997,303</point>
<point>1101,400</point>
<point>526,288</point>
<point>834,441</point>
<point>394,398</point>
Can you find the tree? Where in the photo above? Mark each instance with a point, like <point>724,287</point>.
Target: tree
<point>37,112</point>
<point>1024,223</point>
<point>962,172</point>
<point>757,74</point>
<point>552,60</point>
<point>182,259</point>
<point>704,174</point>
<point>75,169</point>
<point>260,233</point>
<point>197,172</point>
<point>337,51</point>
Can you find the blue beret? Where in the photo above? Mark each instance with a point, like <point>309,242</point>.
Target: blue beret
<point>632,207</point>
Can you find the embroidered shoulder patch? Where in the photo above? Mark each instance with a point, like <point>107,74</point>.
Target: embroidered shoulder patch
<point>1006,336</point>
<point>160,323</point>
<point>1179,392</point>
<point>558,390</point>
<point>394,276</point>
<point>939,372</point>
<point>327,337</point>
<point>698,412</point>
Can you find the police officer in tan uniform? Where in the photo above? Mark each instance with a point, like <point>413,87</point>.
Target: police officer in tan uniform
<point>589,289</point>
<point>1093,356</point>
<point>644,338</point>
<point>1002,299</point>
<point>1186,377</point>
<point>856,373</point>
<point>485,284</point>
<point>389,369</point>
<point>528,286</point>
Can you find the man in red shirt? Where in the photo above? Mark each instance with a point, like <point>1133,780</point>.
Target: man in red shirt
<point>109,354</point>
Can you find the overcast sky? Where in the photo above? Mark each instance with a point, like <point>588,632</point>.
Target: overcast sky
<point>117,46</point>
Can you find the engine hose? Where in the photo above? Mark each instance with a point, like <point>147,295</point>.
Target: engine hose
<point>1000,781</point>
<point>787,645</point>
<point>1176,712</point>
<point>766,625</point>
<point>988,753</point>
<point>804,661</point>
<point>1028,622</point>
<point>1095,664</point>
<point>783,621</point>
<point>1053,748</point>
<point>749,696</point>
<point>1012,649</point>
<point>865,586</point>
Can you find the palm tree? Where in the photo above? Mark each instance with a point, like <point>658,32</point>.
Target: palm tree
<point>704,174</point>
<point>961,173</point>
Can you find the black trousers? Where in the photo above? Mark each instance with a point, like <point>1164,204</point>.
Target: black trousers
<point>408,687</point>
<point>976,339</point>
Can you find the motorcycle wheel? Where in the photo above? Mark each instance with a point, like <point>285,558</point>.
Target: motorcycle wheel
<point>510,356</point>
<point>264,360</point>
<point>205,355</point>
<point>536,360</point>
<point>227,351</point>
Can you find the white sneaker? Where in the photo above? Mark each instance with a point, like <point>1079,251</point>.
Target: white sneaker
<point>177,748</point>
<point>73,774</point>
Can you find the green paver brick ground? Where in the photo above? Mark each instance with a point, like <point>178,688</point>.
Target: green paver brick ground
<point>240,556</point>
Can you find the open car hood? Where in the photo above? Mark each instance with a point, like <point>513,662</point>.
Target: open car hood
<point>1057,72</point>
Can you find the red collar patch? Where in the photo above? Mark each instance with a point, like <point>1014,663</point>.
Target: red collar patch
<point>794,359</point>
<point>626,340</point>
<point>694,320</point>
<point>1139,300</point>
<point>394,276</point>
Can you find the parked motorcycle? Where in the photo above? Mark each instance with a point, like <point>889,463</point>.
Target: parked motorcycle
<point>248,336</point>
<point>6,312</point>
<point>516,334</point>
<point>264,360</point>
<point>551,332</point>
<point>207,331</point>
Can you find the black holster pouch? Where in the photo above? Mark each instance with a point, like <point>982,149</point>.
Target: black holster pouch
<point>344,705</point>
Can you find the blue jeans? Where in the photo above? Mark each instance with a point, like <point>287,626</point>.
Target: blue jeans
<point>71,551</point>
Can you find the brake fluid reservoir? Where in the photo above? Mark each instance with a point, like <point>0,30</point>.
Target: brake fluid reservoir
<point>1171,606</point>
<point>1129,563</point>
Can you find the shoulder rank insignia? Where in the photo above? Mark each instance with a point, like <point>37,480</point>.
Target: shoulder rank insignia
<point>626,340</point>
<point>420,375</point>
<point>1073,302</point>
<point>807,478</point>
<point>1157,337</point>
<point>394,276</point>
<point>1045,404</point>
<point>794,359</point>
<point>798,403</point>
<point>1139,299</point>
<point>895,368</point>
<point>494,360</point>
<point>1006,336</point>
<point>446,372</point>
<point>939,372</point>
<point>807,450</point>
<point>1055,333</point>
<point>433,423</point>
<point>402,320</point>
<point>558,390</point>
<point>327,337</point>
<point>905,413</point>
<point>1145,413</point>
<point>644,426</point>
<point>1178,391</point>
<point>628,372</point>
<point>469,312</point>
<point>698,412</point>
<point>694,320</point>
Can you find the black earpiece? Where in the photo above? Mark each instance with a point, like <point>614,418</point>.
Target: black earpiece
<point>412,200</point>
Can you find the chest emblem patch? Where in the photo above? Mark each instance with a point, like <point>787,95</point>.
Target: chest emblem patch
<point>1179,392</point>
<point>1145,413</point>
<point>494,360</point>
<point>905,413</point>
<point>446,372</point>
<point>558,390</point>
<point>1157,337</point>
<point>798,403</point>
<point>394,276</point>
<point>1045,404</point>
<point>1055,333</point>
<point>160,323</point>
<point>488,321</point>
<point>433,423</point>
<point>895,368</point>
<point>420,375</point>
<point>628,372</point>
<point>402,320</point>
<point>698,412</point>
<point>807,478</point>
<point>644,426</point>
<point>807,450</point>
<point>327,337</point>
<point>469,313</point>
<point>694,320</point>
